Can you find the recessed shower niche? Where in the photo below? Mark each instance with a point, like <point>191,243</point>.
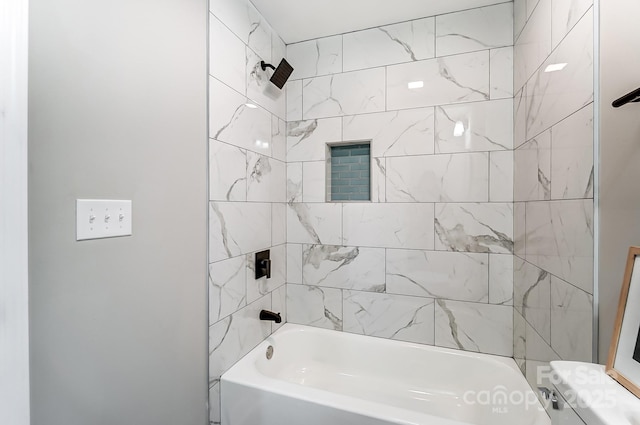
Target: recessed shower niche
<point>349,172</point>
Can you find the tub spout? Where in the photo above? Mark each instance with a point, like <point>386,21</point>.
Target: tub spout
<point>270,315</point>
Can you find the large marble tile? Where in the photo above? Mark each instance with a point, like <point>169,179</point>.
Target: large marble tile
<point>501,73</point>
<point>438,178</point>
<point>227,172</point>
<point>475,327</point>
<point>214,404</point>
<point>261,90</point>
<point>453,79</point>
<point>278,138</point>
<point>234,336</point>
<point>237,228</point>
<point>278,223</point>
<point>501,176</point>
<point>241,17</point>
<point>257,288</point>
<point>294,263</point>
<point>522,10</point>
<point>233,121</point>
<point>279,305</point>
<point>294,100</point>
<point>398,43</point>
<point>474,227</point>
<point>278,48</point>
<point>501,279</point>
<point>265,179</point>
<point>553,96</point>
<point>307,140</point>
<point>532,178</point>
<point>537,349</point>
<point>389,316</point>
<point>532,289</point>
<point>228,56</point>
<point>227,288</point>
<point>314,181</point>
<point>520,117</point>
<point>564,15</point>
<point>571,315</point>
<point>356,92</point>
<point>312,58</point>
<point>344,267</point>
<point>533,46</point>
<point>294,182</point>
<point>388,225</point>
<point>314,223</point>
<point>378,180</point>
<point>314,306</point>
<point>396,133</point>
<point>450,275</point>
<point>519,340</point>
<point>519,228</point>
<point>560,239</point>
<point>478,126</point>
<point>474,29</point>
<point>572,156</point>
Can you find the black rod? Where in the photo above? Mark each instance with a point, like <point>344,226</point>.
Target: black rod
<point>633,96</point>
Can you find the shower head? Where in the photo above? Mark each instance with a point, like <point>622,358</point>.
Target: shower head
<point>280,74</point>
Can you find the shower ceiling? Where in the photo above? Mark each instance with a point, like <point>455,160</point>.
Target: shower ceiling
<point>299,20</point>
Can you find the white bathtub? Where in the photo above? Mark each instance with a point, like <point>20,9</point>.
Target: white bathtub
<point>322,377</point>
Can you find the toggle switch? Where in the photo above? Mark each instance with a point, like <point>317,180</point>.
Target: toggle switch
<point>96,218</point>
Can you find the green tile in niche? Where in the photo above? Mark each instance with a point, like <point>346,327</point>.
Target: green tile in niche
<point>350,172</point>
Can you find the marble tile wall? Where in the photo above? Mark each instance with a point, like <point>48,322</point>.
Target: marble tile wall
<point>430,258</point>
<point>248,192</point>
<point>553,183</point>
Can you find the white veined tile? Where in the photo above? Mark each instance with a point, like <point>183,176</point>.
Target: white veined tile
<point>404,42</point>
<point>572,156</point>
<point>438,178</point>
<point>501,279</point>
<point>278,138</point>
<point>560,239</point>
<point>453,79</point>
<point>314,223</point>
<point>227,172</point>
<point>237,228</point>
<point>533,45</point>
<point>265,179</point>
<point>279,305</point>
<point>278,223</point>
<point>312,58</point>
<point>307,140</point>
<point>474,227</point>
<point>314,181</point>
<point>294,100</point>
<point>501,75</point>
<point>395,133</point>
<point>294,182</point>
<point>477,126</point>
<point>520,117</point>
<point>356,92</point>
<point>565,14</point>
<point>227,288</point>
<point>314,306</point>
<point>388,225</point>
<point>501,176</point>
<point>214,403</point>
<point>227,54</point>
<point>233,119</point>
<point>233,337</point>
<point>519,228</point>
<point>344,267</point>
<point>483,328</point>
<point>571,314</point>
<point>294,263</point>
<point>553,96</point>
<point>531,292</point>
<point>474,29</point>
<point>378,180</point>
<point>532,179</point>
<point>389,316</point>
<point>451,275</point>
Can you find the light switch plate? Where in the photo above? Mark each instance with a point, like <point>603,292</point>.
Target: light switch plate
<point>103,218</point>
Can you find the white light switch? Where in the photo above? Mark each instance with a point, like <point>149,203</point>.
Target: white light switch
<point>102,218</point>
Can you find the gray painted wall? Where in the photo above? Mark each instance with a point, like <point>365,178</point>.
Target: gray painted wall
<point>117,110</point>
<point>619,155</point>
